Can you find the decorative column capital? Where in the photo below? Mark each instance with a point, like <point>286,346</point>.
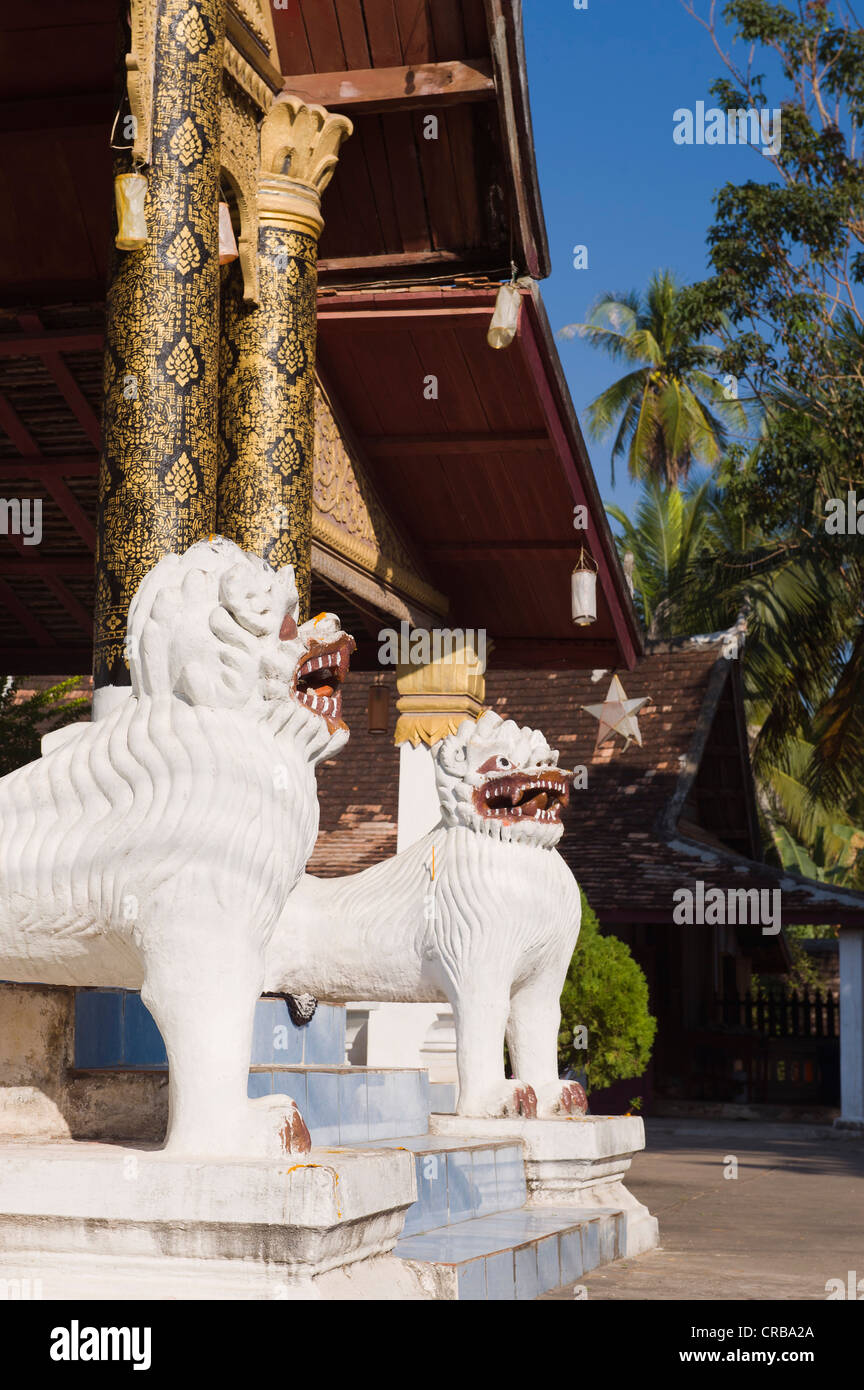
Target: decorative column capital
<point>299,152</point>
<point>434,698</point>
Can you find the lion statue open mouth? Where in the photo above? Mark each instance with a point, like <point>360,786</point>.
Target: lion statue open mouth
<point>503,781</point>
<point>482,912</point>
<point>156,847</point>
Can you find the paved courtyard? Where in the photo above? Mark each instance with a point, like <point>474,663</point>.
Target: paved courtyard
<point>792,1219</point>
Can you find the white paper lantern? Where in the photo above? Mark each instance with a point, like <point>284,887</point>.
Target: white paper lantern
<point>130,191</point>
<point>505,320</point>
<point>583,591</point>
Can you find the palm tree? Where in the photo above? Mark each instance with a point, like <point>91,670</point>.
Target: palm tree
<point>670,411</point>
<point>664,540</point>
<point>697,563</point>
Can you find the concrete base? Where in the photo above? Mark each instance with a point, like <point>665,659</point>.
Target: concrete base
<point>579,1161</point>
<point>101,1220</point>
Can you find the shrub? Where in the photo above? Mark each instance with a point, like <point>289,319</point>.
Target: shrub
<point>23,722</point>
<point>605,993</point>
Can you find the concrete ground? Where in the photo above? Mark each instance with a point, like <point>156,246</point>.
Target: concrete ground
<point>791,1220</point>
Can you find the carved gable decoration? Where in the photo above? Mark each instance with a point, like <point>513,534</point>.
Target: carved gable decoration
<point>347,516</point>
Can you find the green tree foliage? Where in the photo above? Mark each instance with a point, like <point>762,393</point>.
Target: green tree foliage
<point>671,411</point>
<point>785,302</point>
<point>23,722</point>
<point>665,538</point>
<point>607,994</point>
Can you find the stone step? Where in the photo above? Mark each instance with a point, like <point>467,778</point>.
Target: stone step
<point>460,1179</point>
<point>115,1031</point>
<point>355,1106</point>
<point>517,1255</point>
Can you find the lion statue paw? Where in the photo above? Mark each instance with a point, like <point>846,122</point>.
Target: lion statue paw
<point>508,1100</point>
<point>559,1099</point>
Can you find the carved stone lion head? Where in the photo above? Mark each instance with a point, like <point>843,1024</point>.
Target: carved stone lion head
<point>501,780</point>
<point>217,627</point>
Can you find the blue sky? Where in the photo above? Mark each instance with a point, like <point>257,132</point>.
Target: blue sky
<point>604,85</point>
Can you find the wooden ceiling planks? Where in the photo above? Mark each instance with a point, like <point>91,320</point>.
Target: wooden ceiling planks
<point>415,31</point>
<point>352,27</point>
<point>382,28</point>
<point>295,54</point>
<point>493,524</point>
<point>323,36</point>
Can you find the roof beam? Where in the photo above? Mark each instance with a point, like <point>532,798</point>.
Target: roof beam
<point>423,85</point>
<point>36,345</point>
<point>48,567</point>
<point>21,437</point>
<point>457,547</point>
<point>388,263</point>
<point>46,661</point>
<point>30,623</point>
<point>71,391</point>
<point>392,446</point>
<point>38,466</point>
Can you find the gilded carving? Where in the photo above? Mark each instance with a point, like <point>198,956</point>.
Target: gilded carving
<point>255,14</point>
<point>346,499</point>
<point>140,64</point>
<point>267,362</point>
<point>239,144</point>
<point>303,142</point>
<point>157,480</point>
<point>266,431</point>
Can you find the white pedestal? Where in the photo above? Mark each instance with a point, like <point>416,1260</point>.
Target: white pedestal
<point>104,1221</point>
<point>580,1161</point>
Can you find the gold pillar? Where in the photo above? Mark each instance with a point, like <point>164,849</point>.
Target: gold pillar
<point>267,372</point>
<point>157,480</point>
<point>435,697</point>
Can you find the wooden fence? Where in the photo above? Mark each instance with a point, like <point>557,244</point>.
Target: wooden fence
<point>773,1048</point>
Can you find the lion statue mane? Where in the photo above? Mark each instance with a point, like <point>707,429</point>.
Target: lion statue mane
<point>491,927</point>
<point>156,847</point>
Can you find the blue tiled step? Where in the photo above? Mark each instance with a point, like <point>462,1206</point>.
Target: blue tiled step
<point>351,1105</point>
<point>518,1255</point>
<point>460,1179</point>
<point>443,1097</point>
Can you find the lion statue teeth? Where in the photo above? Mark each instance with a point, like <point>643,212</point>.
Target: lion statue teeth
<point>155,848</point>
<point>493,932</point>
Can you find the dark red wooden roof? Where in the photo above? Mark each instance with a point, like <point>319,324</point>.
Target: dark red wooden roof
<point>486,474</point>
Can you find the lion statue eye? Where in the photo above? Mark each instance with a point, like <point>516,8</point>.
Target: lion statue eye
<point>504,764</point>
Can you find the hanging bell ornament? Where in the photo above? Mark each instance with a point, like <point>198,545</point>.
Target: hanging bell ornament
<point>227,241</point>
<point>130,191</point>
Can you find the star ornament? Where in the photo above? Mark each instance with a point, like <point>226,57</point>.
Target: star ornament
<point>617,715</point>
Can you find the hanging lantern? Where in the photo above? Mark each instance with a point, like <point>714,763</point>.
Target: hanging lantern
<point>378,709</point>
<point>583,590</point>
<point>227,240</point>
<point>130,191</point>
<point>505,320</point>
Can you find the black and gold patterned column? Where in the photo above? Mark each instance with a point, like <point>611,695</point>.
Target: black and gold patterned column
<point>157,480</point>
<point>267,373</point>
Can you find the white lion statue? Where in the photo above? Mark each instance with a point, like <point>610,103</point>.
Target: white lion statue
<point>155,848</point>
<point>482,912</point>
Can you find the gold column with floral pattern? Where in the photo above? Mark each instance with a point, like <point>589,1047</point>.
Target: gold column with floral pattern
<point>267,369</point>
<point>157,480</point>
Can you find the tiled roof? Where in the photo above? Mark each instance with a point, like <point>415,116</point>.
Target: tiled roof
<point>651,820</point>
